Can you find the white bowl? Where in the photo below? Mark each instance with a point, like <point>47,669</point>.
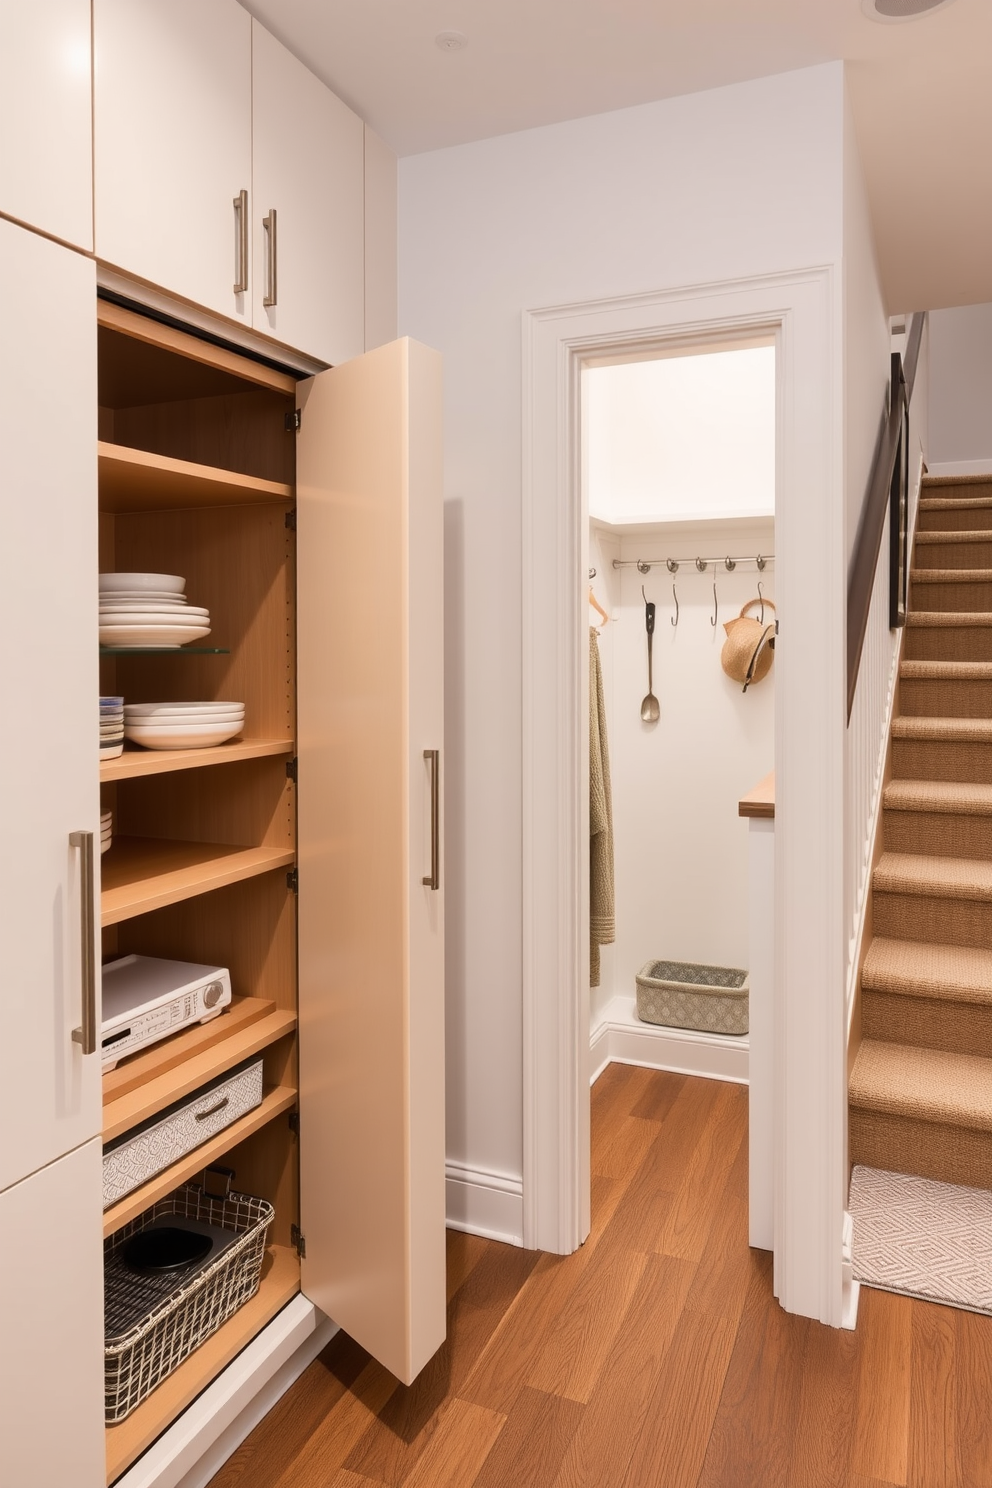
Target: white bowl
<point>161,710</point>
<point>169,637</point>
<point>187,736</point>
<point>110,583</point>
<point>151,617</point>
<point>145,597</point>
<point>183,720</point>
<point>149,607</point>
<point>111,751</point>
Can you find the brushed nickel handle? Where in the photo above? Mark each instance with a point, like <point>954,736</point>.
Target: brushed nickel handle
<point>241,207</point>
<point>86,1034</point>
<point>269,223</point>
<point>212,1110</point>
<point>433,879</point>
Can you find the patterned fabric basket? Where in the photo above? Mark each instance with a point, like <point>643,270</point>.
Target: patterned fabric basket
<point>138,1359</point>
<point>682,994</point>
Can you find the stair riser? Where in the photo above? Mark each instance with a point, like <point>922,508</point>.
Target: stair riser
<point>951,599</point>
<point>938,834</point>
<point>960,922</point>
<point>925,697</point>
<point>948,643</point>
<point>936,759</point>
<point>958,491</point>
<point>927,1023</point>
<point>956,519</point>
<point>953,554</point>
<point>901,1145</point>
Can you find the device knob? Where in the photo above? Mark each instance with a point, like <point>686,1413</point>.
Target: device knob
<point>212,994</point>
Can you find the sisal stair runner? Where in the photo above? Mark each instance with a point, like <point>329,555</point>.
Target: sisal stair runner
<point>920,1089</point>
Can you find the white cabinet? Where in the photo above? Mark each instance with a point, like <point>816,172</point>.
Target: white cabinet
<point>172,137</point>
<point>307,208</point>
<point>46,162</point>
<point>51,1311</point>
<point>49,1090</point>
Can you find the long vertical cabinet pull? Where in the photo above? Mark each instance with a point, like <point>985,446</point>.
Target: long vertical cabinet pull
<point>433,879</point>
<point>269,223</point>
<point>241,207</point>
<point>86,1034</point>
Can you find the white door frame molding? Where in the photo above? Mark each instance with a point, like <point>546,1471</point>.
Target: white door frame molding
<point>803,311</point>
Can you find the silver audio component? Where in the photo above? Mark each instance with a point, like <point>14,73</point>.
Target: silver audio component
<point>146,998</point>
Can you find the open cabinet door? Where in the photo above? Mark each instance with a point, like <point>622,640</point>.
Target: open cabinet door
<point>369,545</point>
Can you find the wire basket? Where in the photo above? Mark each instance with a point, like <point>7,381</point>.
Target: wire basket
<point>176,1318</point>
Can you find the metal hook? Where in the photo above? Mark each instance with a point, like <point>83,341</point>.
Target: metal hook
<point>701,564</point>
<point>761,563</point>
<point>675,621</point>
<point>672,564</point>
<point>643,595</point>
<point>642,567</point>
<point>730,563</point>
<point>761,617</point>
<point>592,573</point>
<point>716,607</point>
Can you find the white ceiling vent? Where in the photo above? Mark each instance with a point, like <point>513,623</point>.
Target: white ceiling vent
<point>901,10</point>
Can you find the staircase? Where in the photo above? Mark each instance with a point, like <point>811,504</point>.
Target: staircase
<point>921,1086</point>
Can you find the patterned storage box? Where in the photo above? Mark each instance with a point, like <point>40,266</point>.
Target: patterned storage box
<point>681,994</point>
<point>167,1136</point>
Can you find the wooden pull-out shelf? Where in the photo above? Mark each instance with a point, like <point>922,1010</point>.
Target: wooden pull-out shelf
<point>140,874</point>
<point>133,480</point>
<point>135,762</point>
<point>128,1439</point>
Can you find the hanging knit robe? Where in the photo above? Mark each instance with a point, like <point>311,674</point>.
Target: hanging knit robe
<point>602,921</point>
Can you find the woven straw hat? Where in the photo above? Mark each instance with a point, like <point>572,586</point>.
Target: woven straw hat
<point>749,650</point>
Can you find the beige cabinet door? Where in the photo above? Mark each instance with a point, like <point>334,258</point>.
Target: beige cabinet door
<point>46,166</point>
<point>172,136</point>
<point>369,542</point>
<point>308,208</point>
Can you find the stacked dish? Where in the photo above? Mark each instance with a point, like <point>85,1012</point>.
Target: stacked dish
<point>149,609</point>
<point>111,727</point>
<point>106,829</point>
<point>182,725</point>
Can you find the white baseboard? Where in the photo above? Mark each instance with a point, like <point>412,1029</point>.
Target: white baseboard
<point>200,1441</point>
<point>622,1038</point>
<point>961,467</point>
<point>486,1204</point>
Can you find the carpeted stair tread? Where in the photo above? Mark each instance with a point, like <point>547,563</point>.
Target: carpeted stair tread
<point>946,797</point>
<point>923,1085</point>
<point>952,730</point>
<point>952,535</point>
<point>932,877</point>
<point>912,968</point>
<point>950,575</point>
<point>946,671</point>
<point>954,503</point>
<point>948,619</point>
<point>955,482</point>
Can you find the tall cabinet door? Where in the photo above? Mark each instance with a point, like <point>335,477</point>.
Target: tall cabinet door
<point>50,1096</point>
<point>172,136</point>
<point>308,186</point>
<point>369,543</point>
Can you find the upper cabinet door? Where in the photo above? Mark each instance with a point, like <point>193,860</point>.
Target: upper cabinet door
<point>46,166</point>
<point>371,946</point>
<point>50,1095</point>
<point>172,121</point>
<point>308,208</point>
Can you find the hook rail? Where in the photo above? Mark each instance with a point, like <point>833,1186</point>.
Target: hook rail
<point>645,565</point>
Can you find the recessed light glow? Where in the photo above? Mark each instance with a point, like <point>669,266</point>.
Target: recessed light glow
<point>451,41</point>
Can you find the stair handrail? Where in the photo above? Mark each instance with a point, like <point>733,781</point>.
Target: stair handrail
<point>884,473</point>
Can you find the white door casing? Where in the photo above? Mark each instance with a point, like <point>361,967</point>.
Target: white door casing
<point>802,310</point>
<point>371,931</point>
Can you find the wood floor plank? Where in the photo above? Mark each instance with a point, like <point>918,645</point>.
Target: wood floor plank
<point>458,1448</point>
<point>973,1396</point>
<point>571,1357</point>
<point>653,1187</point>
<point>618,1090</point>
<point>329,1444</point>
<point>529,1449</point>
<point>933,1455</point>
<point>463,1254</point>
<point>345,1479</point>
<point>821,1436</point>
<point>659,1095</point>
<point>881,1428</point>
<point>622,1155</point>
<point>700,1189</point>
<point>750,1442</point>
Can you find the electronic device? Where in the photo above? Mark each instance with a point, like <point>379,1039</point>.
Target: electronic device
<point>146,998</point>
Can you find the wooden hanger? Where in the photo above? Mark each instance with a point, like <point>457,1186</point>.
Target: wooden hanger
<point>597,606</point>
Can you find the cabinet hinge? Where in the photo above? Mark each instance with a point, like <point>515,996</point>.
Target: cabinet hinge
<point>291,520</point>
<point>294,421</point>
<point>294,1123</point>
<point>292,770</point>
<point>299,1240</point>
<point>293,880</point>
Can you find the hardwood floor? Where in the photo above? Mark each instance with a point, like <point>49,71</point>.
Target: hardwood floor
<point>655,1357</point>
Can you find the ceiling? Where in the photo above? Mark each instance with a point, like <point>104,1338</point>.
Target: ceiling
<point>922,92</point>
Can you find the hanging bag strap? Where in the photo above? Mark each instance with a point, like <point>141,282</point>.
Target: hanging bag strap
<point>767,638</point>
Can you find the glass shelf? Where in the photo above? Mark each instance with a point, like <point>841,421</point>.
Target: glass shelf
<point>165,651</point>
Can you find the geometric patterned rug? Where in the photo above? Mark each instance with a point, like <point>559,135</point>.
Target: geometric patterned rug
<point>927,1239</point>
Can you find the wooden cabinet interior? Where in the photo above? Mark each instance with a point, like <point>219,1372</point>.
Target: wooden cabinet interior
<point>197,475</point>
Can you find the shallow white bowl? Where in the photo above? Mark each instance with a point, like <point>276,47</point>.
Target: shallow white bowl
<point>171,636</point>
<point>110,583</point>
<point>189,736</point>
<point>151,617</point>
<point>156,710</point>
<point>184,721</point>
<point>111,751</point>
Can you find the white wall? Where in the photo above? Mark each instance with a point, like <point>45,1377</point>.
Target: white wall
<point>738,181</point>
<point>961,386</point>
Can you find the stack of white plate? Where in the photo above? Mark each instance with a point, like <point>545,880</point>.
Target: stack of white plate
<point>106,829</point>
<point>149,609</point>
<point>111,727</point>
<point>182,725</point>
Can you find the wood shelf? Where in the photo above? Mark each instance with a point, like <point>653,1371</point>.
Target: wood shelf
<point>135,762</point>
<point>274,1102</point>
<point>208,1054</point>
<point>761,800</point>
<point>140,874</point>
<point>133,480</point>
<point>128,1439</point>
